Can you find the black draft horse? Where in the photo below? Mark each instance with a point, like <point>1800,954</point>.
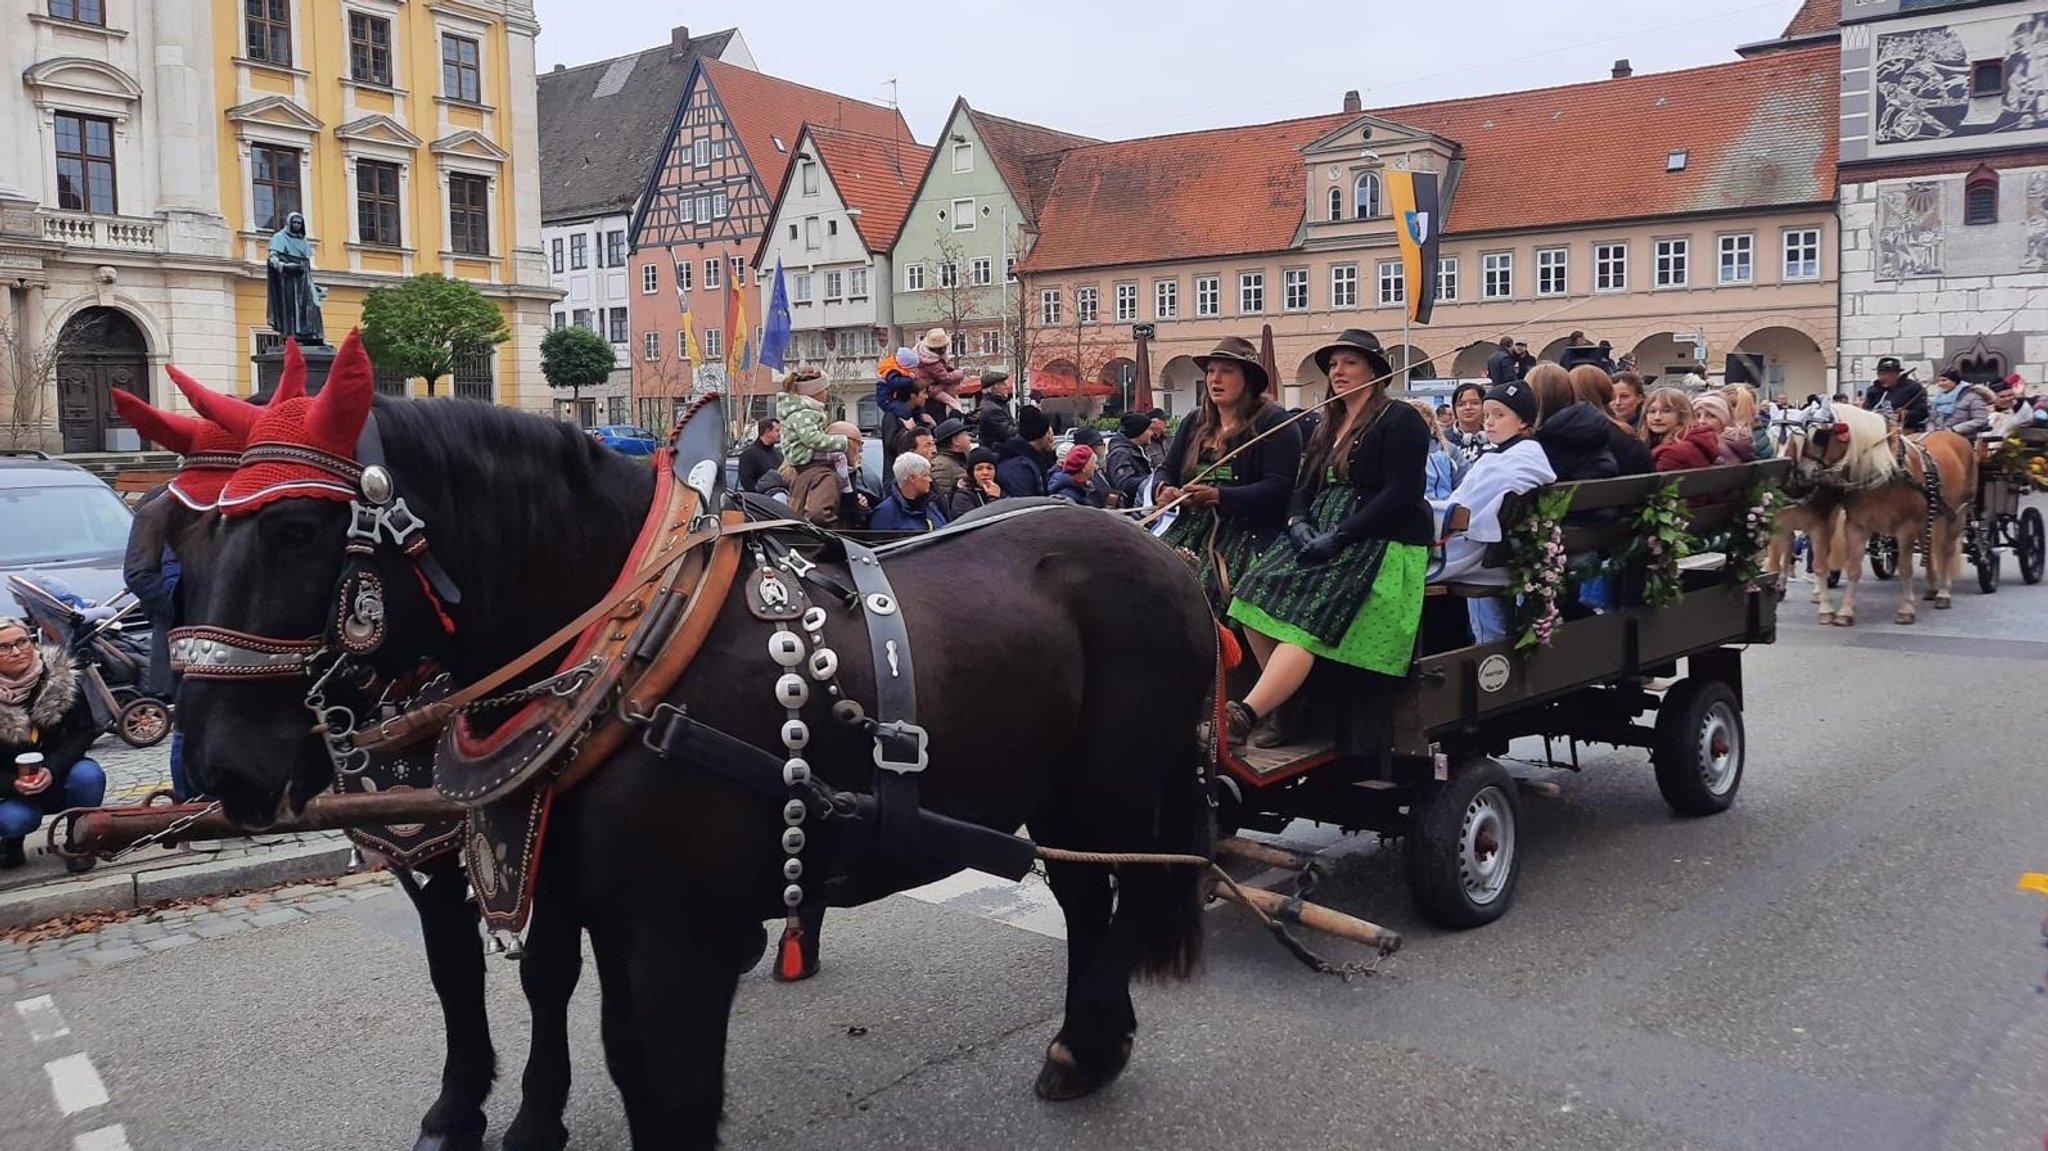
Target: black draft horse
<point>1072,706</point>
<point>438,889</point>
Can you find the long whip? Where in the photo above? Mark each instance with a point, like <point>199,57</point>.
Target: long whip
<point>1333,397</point>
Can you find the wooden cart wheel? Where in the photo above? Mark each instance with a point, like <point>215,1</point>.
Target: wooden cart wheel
<point>2031,543</point>
<point>1700,747</point>
<point>1463,851</point>
<point>143,722</point>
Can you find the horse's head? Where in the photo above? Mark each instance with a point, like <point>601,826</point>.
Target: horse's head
<point>1816,441</point>
<point>296,580</point>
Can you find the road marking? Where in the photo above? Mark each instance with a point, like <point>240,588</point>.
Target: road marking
<point>44,1021</point>
<point>75,1083</point>
<point>104,1139</point>
<point>1028,905</point>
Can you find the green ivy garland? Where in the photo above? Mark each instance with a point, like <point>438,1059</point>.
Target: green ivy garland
<point>1536,567</point>
<point>1662,540</point>
<point>1749,540</point>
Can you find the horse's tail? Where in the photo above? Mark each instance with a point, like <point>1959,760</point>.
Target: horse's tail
<point>1164,901</point>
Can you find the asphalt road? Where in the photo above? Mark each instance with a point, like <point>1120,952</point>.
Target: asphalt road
<point>1841,961</point>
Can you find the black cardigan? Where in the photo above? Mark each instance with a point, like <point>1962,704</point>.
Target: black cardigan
<point>1389,467</point>
<point>1261,476</point>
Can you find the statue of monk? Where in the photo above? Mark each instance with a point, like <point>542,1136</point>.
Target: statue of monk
<point>294,299</point>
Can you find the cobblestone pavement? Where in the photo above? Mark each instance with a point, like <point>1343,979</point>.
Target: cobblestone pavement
<point>45,955</point>
<point>133,772</point>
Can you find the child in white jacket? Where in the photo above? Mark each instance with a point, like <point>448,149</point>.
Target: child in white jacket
<point>1514,464</point>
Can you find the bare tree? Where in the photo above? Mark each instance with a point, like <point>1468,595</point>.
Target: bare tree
<point>28,374</point>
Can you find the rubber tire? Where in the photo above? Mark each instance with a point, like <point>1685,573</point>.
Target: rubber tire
<point>138,707</point>
<point>1434,844</point>
<point>2030,542</point>
<point>1680,718</point>
<point>1884,557</point>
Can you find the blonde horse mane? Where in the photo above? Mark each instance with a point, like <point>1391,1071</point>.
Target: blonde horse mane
<point>1869,459</point>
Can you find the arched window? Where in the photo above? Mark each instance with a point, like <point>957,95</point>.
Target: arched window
<point>1336,204</point>
<point>1980,196</point>
<point>1365,196</point>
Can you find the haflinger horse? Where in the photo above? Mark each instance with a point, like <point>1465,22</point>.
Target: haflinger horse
<point>1882,482</point>
<point>1074,710</point>
<point>210,446</point>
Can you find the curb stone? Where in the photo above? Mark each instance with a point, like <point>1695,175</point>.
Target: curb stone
<point>126,891</point>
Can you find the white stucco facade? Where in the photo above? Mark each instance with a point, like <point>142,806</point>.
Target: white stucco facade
<point>132,226</point>
<point>586,260</point>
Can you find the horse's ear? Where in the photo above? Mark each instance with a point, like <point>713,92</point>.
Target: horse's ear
<point>172,430</point>
<point>292,382</point>
<point>338,412</point>
<point>233,413</point>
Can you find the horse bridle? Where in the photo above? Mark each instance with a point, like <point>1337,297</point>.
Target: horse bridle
<point>357,627</point>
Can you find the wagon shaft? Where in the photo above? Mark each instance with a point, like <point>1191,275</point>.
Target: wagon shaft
<point>103,831</point>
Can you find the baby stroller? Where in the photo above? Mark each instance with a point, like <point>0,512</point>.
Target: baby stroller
<point>110,644</point>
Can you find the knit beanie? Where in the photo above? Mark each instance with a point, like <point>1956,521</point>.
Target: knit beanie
<point>906,359</point>
<point>1713,404</point>
<point>1031,423</point>
<point>1133,424</point>
<point>1077,459</point>
<point>1518,397</point>
<point>980,456</point>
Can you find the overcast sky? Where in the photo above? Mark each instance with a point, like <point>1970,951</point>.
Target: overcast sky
<point>1121,68</point>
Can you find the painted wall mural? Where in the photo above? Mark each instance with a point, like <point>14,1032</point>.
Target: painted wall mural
<point>2036,254</point>
<point>1923,83</point>
<point>1909,232</point>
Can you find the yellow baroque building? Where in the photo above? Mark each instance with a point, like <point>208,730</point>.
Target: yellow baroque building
<point>406,132</point>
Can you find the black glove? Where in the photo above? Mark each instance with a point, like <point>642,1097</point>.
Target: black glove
<point>1322,548</point>
<point>1301,532</point>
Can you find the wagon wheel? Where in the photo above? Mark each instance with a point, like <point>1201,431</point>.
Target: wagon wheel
<point>144,722</point>
<point>1700,747</point>
<point>1989,561</point>
<point>1463,856</point>
<point>2031,543</point>
<point>1884,556</point>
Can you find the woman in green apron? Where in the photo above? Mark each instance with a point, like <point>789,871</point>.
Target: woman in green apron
<point>1346,583</point>
<point>1230,509</point>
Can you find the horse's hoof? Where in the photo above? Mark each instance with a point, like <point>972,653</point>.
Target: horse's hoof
<point>1943,603</point>
<point>1064,1077</point>
<point>1845,620</point>
<point>1827,617</point>
<point>537,1135</point>
<point>1906,617</point>
<point>450,1141</point>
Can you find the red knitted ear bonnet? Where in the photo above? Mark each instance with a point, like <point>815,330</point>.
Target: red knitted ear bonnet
<point>211,443</point>
<point>305,445</point>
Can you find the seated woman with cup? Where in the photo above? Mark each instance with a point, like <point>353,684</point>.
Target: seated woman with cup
<point>46,727</point>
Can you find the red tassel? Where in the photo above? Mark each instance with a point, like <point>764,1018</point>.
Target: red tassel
<point>1227,643</point>
<point>440,610</point>
<point>789,956</point>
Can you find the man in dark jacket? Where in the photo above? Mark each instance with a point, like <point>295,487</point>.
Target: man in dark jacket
<point>1500,366</point>
<point>762,455</point>
<point>992,416</point>
<point>1127,465</point>
<point>1024,459</point>
<point>910,508</point>
<point>1907,398</point>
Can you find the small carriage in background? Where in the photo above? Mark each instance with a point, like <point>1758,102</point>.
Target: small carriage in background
<point>2007,470</point>
<point>109,643</point>
<point>1417,757</point>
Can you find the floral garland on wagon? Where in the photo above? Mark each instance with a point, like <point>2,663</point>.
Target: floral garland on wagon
<point>1662,539</point>
<point>1749,540</point>
<point>1536,567</point>
<point>2023,461</point>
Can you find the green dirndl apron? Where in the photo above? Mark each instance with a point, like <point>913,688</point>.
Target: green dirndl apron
<point>1223,548</point>
<point>1361,608</point>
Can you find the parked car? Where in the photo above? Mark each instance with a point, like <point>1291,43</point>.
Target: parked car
<point>626,439</point>
<point>59,520</point>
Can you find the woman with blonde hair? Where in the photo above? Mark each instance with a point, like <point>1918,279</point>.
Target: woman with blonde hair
<point>1677,441</point>
<point>1742,410</point>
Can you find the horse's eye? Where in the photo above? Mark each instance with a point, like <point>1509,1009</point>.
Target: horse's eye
<point>293,535</point>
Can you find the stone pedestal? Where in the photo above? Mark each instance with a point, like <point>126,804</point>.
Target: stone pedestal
<point>270,369</point>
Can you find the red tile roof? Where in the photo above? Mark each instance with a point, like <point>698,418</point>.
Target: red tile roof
<point>764,108</point>
<point>1815,16</point>
<point>1024,154</point>
<point>1758,133</point>
<point>1185,196</point>
<point>875,175</point>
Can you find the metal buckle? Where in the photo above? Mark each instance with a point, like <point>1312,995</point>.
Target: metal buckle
<point>655,726</point>
<point>799,565</point>
<point>887,733</point>
<point>399,520</point>
<point>364,522</point>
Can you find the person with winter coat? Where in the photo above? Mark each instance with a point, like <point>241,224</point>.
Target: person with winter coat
<point>1907,398</point>
<point>1026,458</point>
<point>1502,367</point>
<point>800,409</point>
<point>911,507</point>
<point>978,488</point>
<point>1593,385</point>
<point>1710,409</point>
<point>1677,441</point>
<point>939,376</point>
<point>1516,465</point>
<point>1745,422</point>
<point>1126,466</point>
<point>822,491</point>
<point>1467,432</point>
<point>1443,467</point>
<point>1074,480</point>
<point>949,467</point>
<point>43,713</point>
<point>992,420</point>
<point>1573,433</point>
<point>1969,408</point>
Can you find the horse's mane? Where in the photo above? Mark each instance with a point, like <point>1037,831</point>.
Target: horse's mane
<point>1869,458</point>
